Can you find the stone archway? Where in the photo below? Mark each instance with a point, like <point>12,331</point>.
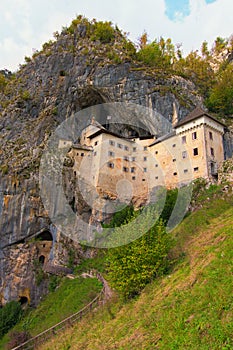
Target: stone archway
<point>45,236</point>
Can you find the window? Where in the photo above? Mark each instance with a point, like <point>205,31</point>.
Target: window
<point>185,171</point>
<point>174,145</point>
<point>111,165</point>
<point>125,169</point>
<point>194,135</point>
<point>145,148</point>
<point>156,165</point>
<point>96,143</point>
<point>126,158</point>
<point>184,154</point>
<point>112,143</point>
<point>156,152</point>
<point>82,154</point>
<point>156,177</point>
<point>77,154</point>
<point>133,178</point>
<point>184,139</point>
<point>145,159</point>
<point>111,154</point>
<point>145,170</point>
<point>126,148</point>
<point>196,169</point>
<point>174,160</point>
<point>175,174</point>
<point>119,145</point>
<point>133,159</point>
<point>143,179</point>
<point>134,149</point>
<point>211,135</point>
<point>132,170</point>
<point>212,151</point>
<point>195,151</point>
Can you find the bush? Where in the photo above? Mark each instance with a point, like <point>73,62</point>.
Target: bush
<point>133,266</point>
<point>17,338</point>
<point>10,314</point>
<point>103,31</point>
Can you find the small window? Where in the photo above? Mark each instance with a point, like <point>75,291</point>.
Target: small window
<point>119,145</point>
<point>145,159</point>
<point>112,143</point>
<point>156,165</point>
<point>126,158</point>
<point>133,178</point>
<point>132,170</point>
<point>196,169</point>
<point>184,139</point>
<point>111,165</point>
<point>77,154</point>
<point>143,179</point>
<point>212,151</point>
<point>185,171</point>
<point>194,135</point>
<point>156,152</point>
<point>145,170</point>
<point>156,177</point>
<point>82,154</point>
<point>111,154</point>
<point>96,143</point>
<point>126,148</point>
<point>175,174</point>
<point>134,149</point>
<point>125,169</point>
<point>174,160</point>
<point>184,154</point>
<point>133,159</point>
<point>211,135</point>
<point>174,145</point>
<point>145,148</point>
<point>195,151</point>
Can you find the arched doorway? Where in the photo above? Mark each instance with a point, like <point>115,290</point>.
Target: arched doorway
<point>42,259</point>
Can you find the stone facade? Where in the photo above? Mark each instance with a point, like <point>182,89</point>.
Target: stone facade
<point>128,168</point>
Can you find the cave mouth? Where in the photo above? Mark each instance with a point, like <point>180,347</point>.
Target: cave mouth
<point>23,301</point>
<point>45,236</point>
<point>42,259</point>
<point>89,97</point>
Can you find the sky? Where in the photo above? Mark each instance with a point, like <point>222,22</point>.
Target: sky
<point>26,24</point>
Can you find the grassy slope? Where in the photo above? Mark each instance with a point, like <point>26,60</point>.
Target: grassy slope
<point>70,297</point>
<point>192,308</point>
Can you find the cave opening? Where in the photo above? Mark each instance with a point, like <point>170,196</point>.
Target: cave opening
<point>45,236</point>
<point>23,301</point>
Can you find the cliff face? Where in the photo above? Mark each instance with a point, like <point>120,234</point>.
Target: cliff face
<point>67,76</point>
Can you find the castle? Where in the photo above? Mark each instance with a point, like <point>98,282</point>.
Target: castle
<point>130,167</point>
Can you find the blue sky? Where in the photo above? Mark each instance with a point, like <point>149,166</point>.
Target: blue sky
<point>26,24</point>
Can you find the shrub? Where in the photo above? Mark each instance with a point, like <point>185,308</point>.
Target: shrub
<point>17,338</point>
<point>133,266</point>
<point>103,31</point>
<point>10,314</point>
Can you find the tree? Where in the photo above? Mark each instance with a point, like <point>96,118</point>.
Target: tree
<point>221,95</point>
<point>133,266</point>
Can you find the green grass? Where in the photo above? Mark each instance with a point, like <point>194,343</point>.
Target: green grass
<point>191,308</point>
<point>68,298</point>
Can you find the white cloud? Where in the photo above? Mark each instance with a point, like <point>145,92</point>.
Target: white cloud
<point>26,24</point>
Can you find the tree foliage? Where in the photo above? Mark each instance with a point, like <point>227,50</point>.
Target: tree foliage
<point>133,266</point>
<point>221,95</point>
<point>103,31</point>
<point>9,316</point>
